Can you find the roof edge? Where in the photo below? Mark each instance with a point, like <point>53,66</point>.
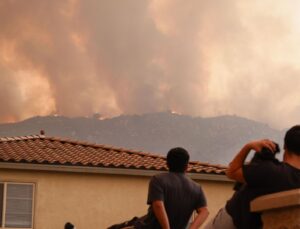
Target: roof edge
<point>103,170</point>
<point>103,146</point>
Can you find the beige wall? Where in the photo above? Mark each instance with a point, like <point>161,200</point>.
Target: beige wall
<point>95,201</point>
<point>217,193</point>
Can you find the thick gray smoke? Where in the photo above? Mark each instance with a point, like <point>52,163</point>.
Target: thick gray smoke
<point>111,57</point>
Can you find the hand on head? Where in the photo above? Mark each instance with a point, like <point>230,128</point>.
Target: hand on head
<point>260,144</point>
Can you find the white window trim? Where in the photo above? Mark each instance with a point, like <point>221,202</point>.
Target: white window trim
<point>5,183</point>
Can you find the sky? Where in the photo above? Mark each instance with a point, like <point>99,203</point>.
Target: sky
<point>198,57</point>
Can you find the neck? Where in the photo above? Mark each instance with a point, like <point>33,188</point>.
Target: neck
<point>292,159</point>
<point>176,172</point>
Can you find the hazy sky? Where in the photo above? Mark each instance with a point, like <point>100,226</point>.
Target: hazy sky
<point>196,57</point>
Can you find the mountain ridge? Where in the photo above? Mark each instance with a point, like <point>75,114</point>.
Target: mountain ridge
<point>213,140</point>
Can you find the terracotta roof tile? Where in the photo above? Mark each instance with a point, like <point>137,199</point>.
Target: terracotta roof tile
<point>52,150</point>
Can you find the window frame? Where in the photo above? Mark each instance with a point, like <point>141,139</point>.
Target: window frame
<point>5,183</point>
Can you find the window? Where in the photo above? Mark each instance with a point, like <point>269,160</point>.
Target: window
<point>16,209</point>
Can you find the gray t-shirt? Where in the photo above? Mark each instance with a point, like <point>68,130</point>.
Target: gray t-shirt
<point>181,196</point>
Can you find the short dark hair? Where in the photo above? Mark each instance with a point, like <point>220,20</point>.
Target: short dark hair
<point>177,159</point>
<point>69,225</point>
<point>292,140</point>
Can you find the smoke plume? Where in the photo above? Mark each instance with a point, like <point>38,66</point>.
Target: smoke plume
<point>202,58</point>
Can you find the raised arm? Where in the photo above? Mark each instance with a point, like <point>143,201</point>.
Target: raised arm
<point>235,170</point>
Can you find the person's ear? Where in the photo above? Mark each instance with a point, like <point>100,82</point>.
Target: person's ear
<point>186,168</point>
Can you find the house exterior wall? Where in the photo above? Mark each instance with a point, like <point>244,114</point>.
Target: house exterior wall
<point>96,200</point>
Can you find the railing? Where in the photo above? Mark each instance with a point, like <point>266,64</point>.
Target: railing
<point>279,210</point>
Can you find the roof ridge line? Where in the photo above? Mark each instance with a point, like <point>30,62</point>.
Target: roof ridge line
<point>21,138</point>
<point>107,147</point>
<point>79,142</point>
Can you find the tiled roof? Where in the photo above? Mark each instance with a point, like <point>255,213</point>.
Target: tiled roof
<point>39,149</point>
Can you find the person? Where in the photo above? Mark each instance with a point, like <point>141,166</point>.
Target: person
<point>69,225</point>
<point>173,196</point>
<point>259,178</point>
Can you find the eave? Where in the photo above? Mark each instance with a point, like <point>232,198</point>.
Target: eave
<point>104,170</point>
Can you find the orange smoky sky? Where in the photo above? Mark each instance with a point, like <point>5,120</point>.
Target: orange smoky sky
<point>201,58</point>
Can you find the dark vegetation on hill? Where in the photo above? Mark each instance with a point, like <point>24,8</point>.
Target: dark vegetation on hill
<point>213,140</point>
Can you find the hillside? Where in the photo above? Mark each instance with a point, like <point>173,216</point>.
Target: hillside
<point>212,140</point>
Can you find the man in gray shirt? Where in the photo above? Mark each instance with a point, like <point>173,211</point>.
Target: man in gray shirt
<point>173,196</point>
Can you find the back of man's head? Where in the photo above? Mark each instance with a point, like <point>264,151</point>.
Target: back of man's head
<point>292,140</point>
<point>69,225</point>
<point>178,159</point>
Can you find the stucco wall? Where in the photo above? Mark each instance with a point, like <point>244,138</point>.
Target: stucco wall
<point>280,210</point>
<point>96,200</point>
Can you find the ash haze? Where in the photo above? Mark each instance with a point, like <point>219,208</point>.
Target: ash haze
<point>201,58</point>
